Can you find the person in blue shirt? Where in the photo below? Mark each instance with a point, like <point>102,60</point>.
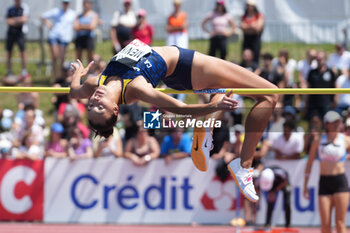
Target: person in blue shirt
<point>60,22</point>
<point>176,145</point>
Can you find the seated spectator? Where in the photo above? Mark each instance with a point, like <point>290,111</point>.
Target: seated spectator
<point>28,126</point>
<point>143,30</point>
<point>275,126</point>
<point>305,66</point>
<point>24,99</point>
<point>84,25</point>
<point>28,149</point>
<point>286,66</point>
<point>121,26</point>
<point>343,100</point>
<point>6,137</point>
<point>176,145</point>
<point>72,103</point>
<point>339,62</point>
<point>143,148</point>
<point>112,146</point>
<point>71,120</point>
<point>56,147</point>
<point>79,147</point>
<point>268,72</point>
<point>248,61</point>
<point>65,81</point>
<point>321,77</point>
<point>290,144</point>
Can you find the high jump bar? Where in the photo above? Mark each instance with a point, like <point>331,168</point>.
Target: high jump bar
<point>242,91</point>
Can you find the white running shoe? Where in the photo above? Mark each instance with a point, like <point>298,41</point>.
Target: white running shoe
<point>201,146</point>
<point>244,179</point>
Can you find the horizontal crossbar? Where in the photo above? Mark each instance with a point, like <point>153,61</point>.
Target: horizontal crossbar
<point>241,91</point>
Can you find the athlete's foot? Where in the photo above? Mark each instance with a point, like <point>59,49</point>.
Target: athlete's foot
<point>201,147</point>
<point>244,179</point>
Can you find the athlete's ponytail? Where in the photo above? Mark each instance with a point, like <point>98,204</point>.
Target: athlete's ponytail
<point>104,130</point>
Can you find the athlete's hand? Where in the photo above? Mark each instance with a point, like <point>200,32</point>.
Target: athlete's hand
<point>227,103</point>
<point>79,70</point>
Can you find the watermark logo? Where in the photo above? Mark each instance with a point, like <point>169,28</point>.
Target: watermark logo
<point>151,120</point>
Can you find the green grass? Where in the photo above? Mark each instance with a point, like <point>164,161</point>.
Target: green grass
<point>297,51</point>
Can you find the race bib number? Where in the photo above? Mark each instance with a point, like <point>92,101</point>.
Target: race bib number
<point>132,53</point>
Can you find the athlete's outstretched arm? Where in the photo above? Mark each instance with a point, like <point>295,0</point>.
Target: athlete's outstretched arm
<point>78,91</point>
<point>171,104</point>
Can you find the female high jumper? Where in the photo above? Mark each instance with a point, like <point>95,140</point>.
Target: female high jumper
<point>133,74</point>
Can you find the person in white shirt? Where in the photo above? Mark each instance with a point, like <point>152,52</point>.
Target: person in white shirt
<point>304,67</point>
<point>339,61</point>
<point>60,22</point>
<point>343,100</point>
<point>121,26</point>
<point>290,144</point>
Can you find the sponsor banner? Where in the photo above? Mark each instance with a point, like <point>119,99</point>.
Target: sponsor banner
<point>21,190</point>
<point>108,190</point>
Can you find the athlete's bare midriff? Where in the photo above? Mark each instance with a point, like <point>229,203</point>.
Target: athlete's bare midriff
<point>331,168</point>
<point>170,54</point>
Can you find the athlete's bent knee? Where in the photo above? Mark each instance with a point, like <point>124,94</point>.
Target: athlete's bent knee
<point>270,98</point>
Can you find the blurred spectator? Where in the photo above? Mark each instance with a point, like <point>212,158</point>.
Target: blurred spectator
<point>84,25</point>
<point>79,147</point>
<point>98,66</point>
<point>275,126</point>
<point>71,120</point>
<point>252,25</point>
<point>6,137</point>
<point>28,127</point>
<point>285,66</point>
<point>60,22</point>
<point>65,81</point>
<point>56,147</point>
<point>176,145</point>
<point>112,146</point>
<point>72,103</point>
<point>16,18</point>
<point>24,98</point>
<point>290,144</point>
<point>343,100</point>
<point>28,149</point>
<point>248,61</point>
<point>321,77</point>
<point>143,148</point>
<point>268,72</point>
<point>177,27</point>
<point>273,180</point>
<point>143,30</point>
<point>121,26</point>
<point>222,27</point>
<point>339,62</point>
<point>305,66</point>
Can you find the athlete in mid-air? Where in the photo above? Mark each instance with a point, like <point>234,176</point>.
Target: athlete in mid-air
<point>135,71</point>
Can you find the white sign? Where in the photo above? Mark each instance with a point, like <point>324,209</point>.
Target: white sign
<point>109,190</point>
